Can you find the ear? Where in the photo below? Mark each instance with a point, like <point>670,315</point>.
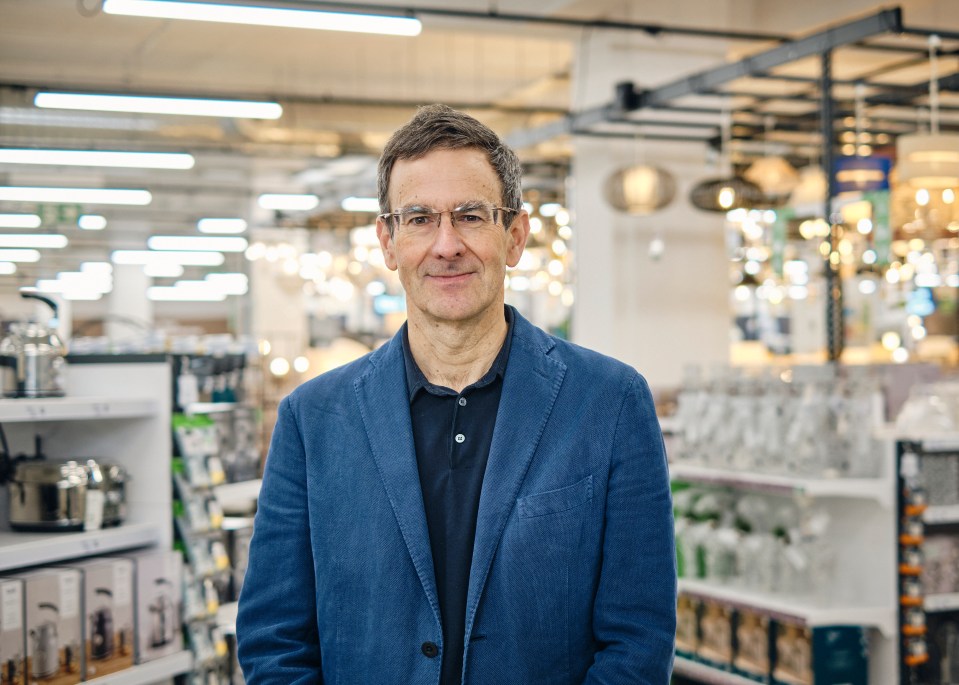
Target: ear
<point>386,243</point>
<point>516,236</point>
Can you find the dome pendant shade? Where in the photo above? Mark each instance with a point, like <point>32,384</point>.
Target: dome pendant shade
<point>640,189</point>
<point>724,194</point>
<point>774,175</point>
<point>928,160</point>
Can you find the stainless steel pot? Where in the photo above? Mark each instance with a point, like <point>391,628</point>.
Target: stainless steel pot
<point>111,480</point>
<point>47,495</point>
<point>31,358</point>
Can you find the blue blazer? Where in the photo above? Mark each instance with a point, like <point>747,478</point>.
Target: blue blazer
<point>573,576</point>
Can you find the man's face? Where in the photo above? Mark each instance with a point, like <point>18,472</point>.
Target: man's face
<point>451,274</point>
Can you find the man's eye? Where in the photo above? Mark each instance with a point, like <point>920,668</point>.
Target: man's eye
<point>469,219</point>
<point>419,220</point>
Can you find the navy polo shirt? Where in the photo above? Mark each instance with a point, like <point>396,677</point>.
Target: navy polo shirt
<point>452,433</point>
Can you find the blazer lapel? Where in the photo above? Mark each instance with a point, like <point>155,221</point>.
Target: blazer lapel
<point>530,387</point>
<point>384,405</point>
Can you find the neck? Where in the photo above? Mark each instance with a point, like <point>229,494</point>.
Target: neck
<point>456,354</point>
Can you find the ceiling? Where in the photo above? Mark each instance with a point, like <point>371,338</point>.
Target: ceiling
<point>343,94</point>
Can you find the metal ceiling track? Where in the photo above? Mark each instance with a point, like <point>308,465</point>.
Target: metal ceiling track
<point>628,99</point>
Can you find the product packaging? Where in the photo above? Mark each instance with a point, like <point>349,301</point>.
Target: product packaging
<point>158,611</point>
<point>716,635</point>
<point>53,626</point>
<point>108,610</point>
<point>753,646</point>
<point>820,656</point>
<point>13,636</point>
<point>687,626</point>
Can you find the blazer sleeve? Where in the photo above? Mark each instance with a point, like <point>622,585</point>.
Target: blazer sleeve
<point>277,639</point>
<point>634,612</point>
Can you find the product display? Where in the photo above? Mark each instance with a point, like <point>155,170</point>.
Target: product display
<point>53,625</point>
<point>108,593</point>
<point>31,357</point>
<point>13,642</point>
<point>158,604</point>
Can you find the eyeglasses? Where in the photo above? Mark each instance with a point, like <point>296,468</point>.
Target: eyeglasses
<point>468,217</point>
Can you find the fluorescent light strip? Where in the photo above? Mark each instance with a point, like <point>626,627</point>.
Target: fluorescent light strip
<point>38,241</point>
<point>197,243</point>
<point>173,294</point>
<point>92,222</point>
<point>19,256</point>
<point>288,201</point>
<point>214,225</point>
<point>360,204</point>
<point>144,257</point>
<point>267,16</point>
<point>7,268</point>
<point>19,221</point>
<point>158,270</point>
<point>98,158</point>
<point>240,109</point>
<point>97,196</point>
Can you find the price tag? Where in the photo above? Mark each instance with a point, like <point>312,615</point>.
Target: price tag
<point>12,606</point>
<point>93,517</point>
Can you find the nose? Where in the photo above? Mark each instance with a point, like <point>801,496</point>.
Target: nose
<point>447,241</point>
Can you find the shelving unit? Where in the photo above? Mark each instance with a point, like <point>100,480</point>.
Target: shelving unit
<point>18,550</point>
<point>944,602</point>
<point>76,408</point>
<point>941,514</point>
<point>707,674</point>
<point>150,672</point>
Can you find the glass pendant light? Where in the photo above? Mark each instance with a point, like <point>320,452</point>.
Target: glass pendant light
<point>726,192</point>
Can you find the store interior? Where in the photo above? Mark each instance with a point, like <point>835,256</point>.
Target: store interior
<point>752,202</point>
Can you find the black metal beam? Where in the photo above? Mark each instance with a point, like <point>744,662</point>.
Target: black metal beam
<point>889,20</point>
<point>835,323</point>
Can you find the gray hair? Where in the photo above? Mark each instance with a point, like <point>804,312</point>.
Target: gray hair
<point>438,127</point>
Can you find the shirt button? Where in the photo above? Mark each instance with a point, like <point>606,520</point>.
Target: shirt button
<point>430,650</point>
<point>460,438</point>
<point>462,401</point>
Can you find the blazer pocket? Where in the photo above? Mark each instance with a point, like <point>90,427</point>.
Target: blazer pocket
<point>555,501</point>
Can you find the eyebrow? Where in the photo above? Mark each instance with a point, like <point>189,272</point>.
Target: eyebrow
<point>464,206</point>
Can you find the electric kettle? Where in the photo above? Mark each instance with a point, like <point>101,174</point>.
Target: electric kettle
<point>163,620</point>
<point>101,627</point>
<point>45,660</point>
<point>31,357</point>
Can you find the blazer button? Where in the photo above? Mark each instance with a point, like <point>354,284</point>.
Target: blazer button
<point>430,649</point>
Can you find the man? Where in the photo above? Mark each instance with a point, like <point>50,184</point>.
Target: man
<point>475,502</point>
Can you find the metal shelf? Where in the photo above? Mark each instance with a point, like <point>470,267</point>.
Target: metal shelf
<point>942,513</point>
<point>150,672</point>
<point>19,550</point>
<point>238,497</point>
<point>226,617</point>
<point>76,408</point>
<point>707,674</point>
<point>209,407</point>
<point>794,609</point>
<point>944,602</point>
<point>878,489</point>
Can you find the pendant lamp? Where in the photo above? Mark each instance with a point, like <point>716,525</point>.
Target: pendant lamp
<point>930,160</point>
<point>726,192</point>
<point>772,173</point>
<point>640,189</point>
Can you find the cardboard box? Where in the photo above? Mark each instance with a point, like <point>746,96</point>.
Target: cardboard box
<point>108,611</point>
<point>687,626</point>
<point>157,616</point>
<point>54,626</point>
<point>13,635</point>
<point>753,646</point>
<point>716,635</point>
<point>820,656</point>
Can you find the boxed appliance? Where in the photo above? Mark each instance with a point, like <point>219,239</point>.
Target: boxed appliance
<point>687,626</point>
<point>108,608</point>
<point>716,635</point>
<point>753,646</point>
<point>13,643</point>
<point>53,626</point>
<point>820,656</point>
<point>158,582</point>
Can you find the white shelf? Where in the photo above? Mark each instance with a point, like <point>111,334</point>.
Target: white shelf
<point>209,407</point>
<point>859,488</point>
<point>226,617</point>
<point>945,602</point>
<point>238,497</point>
<point>150,672</point>
<point>707,674</point>
<point>18,550</point>
<point>76,408</point>
<point>943,513</point>
<point>799,610</point>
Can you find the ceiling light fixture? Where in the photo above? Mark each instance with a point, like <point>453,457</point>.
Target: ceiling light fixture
<point>92,222</point>
<point>288,201</point>
<point>360,204</point>
<point>197,107</point>
<point>144,257</point>
<point>7,268</point>
<point>19,256</point>
<point>159,270</point>
<point>98,158</point>
<point>95,196</point>
<point>33,240</point>
<point>19,221</point>
<point>197,243</point>
<point>159,293</point>
<point>221,225</point>
<point>267,16</point>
